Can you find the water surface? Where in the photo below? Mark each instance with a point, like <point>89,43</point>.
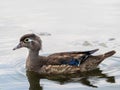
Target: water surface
<point>73,25</point>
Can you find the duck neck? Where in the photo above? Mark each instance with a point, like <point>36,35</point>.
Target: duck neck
<point>33,54</point>
<point>32,62</point>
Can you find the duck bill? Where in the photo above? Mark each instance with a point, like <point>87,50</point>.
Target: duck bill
<point>18,46</point>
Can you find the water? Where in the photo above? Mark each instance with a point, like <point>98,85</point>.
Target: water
<point>74,25</point>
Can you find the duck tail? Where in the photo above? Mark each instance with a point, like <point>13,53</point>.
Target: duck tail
<point>108,54</point>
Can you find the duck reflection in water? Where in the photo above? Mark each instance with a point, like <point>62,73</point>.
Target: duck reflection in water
<point>83,78</point>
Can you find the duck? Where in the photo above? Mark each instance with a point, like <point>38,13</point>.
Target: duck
<point>61,62</point>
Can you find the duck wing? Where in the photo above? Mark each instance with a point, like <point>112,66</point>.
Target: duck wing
<point>90,64</point>
<point>69,58</point>
<point>74,53</point>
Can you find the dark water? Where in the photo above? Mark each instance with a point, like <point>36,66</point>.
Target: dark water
<point>80,78</point>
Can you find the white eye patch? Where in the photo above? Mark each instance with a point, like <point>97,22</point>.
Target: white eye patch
<point>28,40</point>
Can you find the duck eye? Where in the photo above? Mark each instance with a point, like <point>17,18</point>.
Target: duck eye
<point>27,40</point>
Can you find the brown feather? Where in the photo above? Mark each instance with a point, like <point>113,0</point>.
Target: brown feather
<point>58,69</point>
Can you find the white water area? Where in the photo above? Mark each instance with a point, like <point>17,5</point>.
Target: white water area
<point>63,25</point>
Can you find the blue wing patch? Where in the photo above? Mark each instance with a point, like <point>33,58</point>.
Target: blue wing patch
<point>73,62</point>
<point>76,62</point>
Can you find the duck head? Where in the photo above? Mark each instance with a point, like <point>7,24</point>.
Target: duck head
<point>30,41</point>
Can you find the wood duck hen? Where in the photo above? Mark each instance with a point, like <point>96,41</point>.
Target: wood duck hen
<point>58,63</point>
